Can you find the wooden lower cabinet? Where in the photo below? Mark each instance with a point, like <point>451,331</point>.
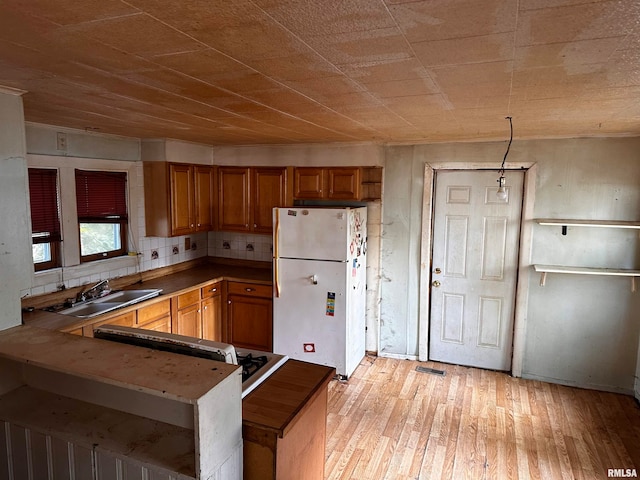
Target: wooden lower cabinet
<point>125,320</point>
<point>211,312</point>
<point>284,424</point>
<point>156,316</point>
<point>187,321</point>
<point>185,314</point>
<point>249,316</point>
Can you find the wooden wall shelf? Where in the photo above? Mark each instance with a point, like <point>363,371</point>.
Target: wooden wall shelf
<point>544,269</point>
<point>564,223</point>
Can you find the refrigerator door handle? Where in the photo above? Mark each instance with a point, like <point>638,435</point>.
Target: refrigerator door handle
<point>276,256</point>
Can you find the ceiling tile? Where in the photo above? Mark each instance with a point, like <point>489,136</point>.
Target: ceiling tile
<point>70,12</point>
<point>570,55</point>
<point>455,51</point>
<point>359,47</point>
<point>402,88</point>
<point>137,34</point>
<point>442,19</point>
<point>328,17</point>
<point>577,22</point>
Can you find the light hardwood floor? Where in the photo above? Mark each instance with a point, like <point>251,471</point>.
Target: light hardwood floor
<point>391,422</point>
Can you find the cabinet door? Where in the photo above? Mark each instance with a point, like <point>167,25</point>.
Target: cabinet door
<point>159,325</point>
<point>181,199</point>
<point>233,199</point>
<point>203,186</point>
<point>344,183</point>
<point>309,183</point>
<point>250,322</point>
<point>188,321</point>
<point>269,188</point>
<point>211,312</point>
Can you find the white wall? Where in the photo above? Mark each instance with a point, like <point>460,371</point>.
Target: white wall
<point>43,140</point>
<point>579,330</point>
<point>15,232</point>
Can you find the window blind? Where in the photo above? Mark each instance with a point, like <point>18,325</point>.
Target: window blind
<point>43,194</point>
<point>101,195</point>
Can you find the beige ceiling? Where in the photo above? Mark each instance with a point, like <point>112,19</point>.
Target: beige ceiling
<point>269,71</point>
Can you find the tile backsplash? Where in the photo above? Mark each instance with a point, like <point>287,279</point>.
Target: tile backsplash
<point>241,245</point>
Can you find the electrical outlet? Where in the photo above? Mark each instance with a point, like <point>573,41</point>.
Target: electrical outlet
<point>250,247</point>
<point>187,244</point>
<point>175,250</point>
<point>154,255</point>
<point>226,245</point>
<point>194,246</point>
<point>309,347</point>
<point>61,142</point>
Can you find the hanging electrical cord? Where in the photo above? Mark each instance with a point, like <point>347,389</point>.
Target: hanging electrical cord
<point>502,191</point>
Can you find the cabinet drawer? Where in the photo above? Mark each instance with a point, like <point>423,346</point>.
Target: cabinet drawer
<point>188,298</point>
<point>154,311</point>
<point>250,289</point>
<point>211,290</point>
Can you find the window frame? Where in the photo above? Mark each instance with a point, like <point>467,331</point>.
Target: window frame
<point>121,219</point>
<point>55,242</point>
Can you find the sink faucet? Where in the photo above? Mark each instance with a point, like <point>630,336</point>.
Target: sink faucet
<point>94,292</point>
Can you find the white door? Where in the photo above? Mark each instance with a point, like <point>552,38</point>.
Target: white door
<point>474,269</point>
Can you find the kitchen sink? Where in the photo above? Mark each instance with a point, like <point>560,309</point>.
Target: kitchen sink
<point>129,296</point>
<point>110,302</point>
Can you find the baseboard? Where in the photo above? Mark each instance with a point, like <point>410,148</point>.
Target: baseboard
<point>588,386</point>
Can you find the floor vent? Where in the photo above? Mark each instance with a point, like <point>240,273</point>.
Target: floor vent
<point>432,371</point>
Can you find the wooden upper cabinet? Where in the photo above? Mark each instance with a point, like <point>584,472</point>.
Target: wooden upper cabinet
<point>343,183</point>
<point>182,201</point>
<point>309,183</point>
<point>246,197</point>
<point>178,198</point>
<point>233,199</point>
<point>269,190</point>
<point>203,188</point>
<point>337,183</point>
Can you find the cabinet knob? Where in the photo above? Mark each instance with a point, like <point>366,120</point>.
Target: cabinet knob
<point>192,225</point>
<point>205,308</point>
<point>248,289</point>
<point>255,225</point>
<point>213,290</point>
<point>199,225</point>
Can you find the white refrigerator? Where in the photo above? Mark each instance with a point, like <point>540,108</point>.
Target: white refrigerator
<point>319,270</point>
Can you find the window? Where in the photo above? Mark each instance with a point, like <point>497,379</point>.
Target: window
<point>45,218</point>
<point>102,214</point>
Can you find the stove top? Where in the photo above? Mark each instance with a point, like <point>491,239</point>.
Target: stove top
<point>256,365</point>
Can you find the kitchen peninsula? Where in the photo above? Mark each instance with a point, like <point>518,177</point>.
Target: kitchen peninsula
<point>283,420</point>
<point>95,409</point>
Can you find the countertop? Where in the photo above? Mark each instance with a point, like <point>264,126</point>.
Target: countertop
<point>276,403</point>
<point>183,379</point>
<point>171,284</point>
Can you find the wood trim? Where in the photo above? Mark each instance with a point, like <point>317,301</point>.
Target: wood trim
<point>522,283</point>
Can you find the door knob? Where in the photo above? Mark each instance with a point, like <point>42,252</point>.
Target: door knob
<point>436,283</point>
